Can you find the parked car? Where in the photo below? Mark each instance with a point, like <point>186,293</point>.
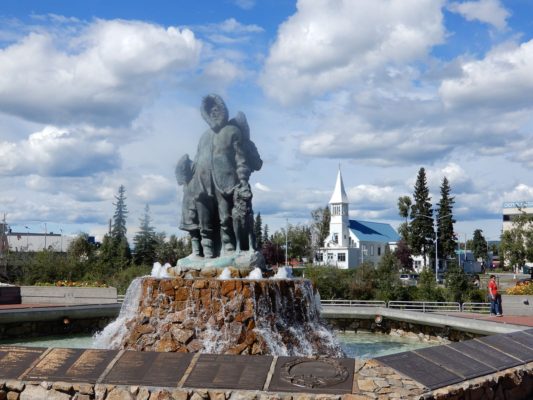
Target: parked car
<point>409,279</point>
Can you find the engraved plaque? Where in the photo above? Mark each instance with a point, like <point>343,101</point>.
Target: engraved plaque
<point>149,369</point>
<point>71,365</point>
<point>229,372</point>
<point>485,354</point>
<point>508,346</point>
<point>322,375</point>
<point>427,373</point>
<point>461,364</point>
<point>15,360</point>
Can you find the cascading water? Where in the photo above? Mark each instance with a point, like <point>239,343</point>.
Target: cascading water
<point>113,335</point>
<point>255,274</point>
<point>221,316</point>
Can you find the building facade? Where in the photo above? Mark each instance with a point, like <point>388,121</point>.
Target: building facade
<point>352,242</point>
<point>513,209</point>
<point>26,241</point>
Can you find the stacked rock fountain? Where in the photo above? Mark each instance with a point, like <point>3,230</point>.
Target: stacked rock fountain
<point>215,300</point>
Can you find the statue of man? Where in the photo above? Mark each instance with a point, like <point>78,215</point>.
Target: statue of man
<point>220,167</point>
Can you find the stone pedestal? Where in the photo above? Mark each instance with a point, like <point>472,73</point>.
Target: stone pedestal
<point>236,316</point>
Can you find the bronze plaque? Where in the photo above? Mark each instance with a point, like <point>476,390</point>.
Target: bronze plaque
<point>148,368</point>
<point>15,360</point>
<point>229,372</point>
<point>71,365</point>
<point>321,375</point>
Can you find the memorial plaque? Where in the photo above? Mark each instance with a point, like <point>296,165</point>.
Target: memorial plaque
<point>71,365</point>
<point>15,360</point>
<point>509,347</point>
<point>485,354</point>
<point>322,375</point>
<point>148,368</point>
<point>427,373</point>
<point>229,372</point>
<point>457,362</point>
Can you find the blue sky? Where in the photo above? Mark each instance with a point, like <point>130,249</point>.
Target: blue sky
<point>97,94</point>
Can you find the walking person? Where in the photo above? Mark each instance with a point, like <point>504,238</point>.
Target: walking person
<point>495,298</point>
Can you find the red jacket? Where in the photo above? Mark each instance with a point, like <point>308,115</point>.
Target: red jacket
<point>493,288</point>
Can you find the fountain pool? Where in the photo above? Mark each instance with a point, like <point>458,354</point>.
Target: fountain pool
<point>355,345</point>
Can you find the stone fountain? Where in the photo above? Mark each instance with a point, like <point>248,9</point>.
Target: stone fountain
<point>208,303</point>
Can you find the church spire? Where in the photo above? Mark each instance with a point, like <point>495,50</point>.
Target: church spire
<point>339,194</point>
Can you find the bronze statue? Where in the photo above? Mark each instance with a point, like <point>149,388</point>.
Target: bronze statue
<point>217,209</point>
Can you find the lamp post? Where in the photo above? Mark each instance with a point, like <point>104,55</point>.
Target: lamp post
<point>27,238</point>
<point>435,226</point>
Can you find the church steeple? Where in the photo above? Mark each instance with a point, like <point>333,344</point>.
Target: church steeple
<point>339,194</point>
<point>338,207</point>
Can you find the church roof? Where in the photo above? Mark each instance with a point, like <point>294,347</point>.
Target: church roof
<point>373,231</point>
<point>339,194</point>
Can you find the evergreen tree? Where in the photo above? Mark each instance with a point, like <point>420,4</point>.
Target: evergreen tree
<point>445,221</point>
<point>427,289</point>
<point>145,241</point>
<point>116,250</point>
<point>421,232</point>
<point>258,231</point>
<point>118,228</point>
<point>479,245</point>
<point>266,238</point>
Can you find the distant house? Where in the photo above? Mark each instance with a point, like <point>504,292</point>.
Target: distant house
<point>352,242</point>
<point>27,241</point>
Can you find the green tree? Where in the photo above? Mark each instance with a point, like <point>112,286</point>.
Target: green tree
<point>445,221</point>
<point>404,208</point>
<point>118,228</point>
<point>321,218</point>
<point>427,289</point>
<point>363,285</point>
<point>258,231</point>
<point>516,246</point>
<point>421,230</point>
<point>145,241</point>
<point>457,283</point>
<point>479,245</point>
<point>388,285</point>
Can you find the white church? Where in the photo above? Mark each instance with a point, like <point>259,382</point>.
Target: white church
<point>351,242</point>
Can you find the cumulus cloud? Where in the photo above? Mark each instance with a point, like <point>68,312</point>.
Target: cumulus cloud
<point>245,4</point>
<point>263,188</point>
<point>58,152</point>
<point>488,11</point>
<point>501,80</point>
<point>326,45</point>
<point>102,75</point>
<point>155,189</point>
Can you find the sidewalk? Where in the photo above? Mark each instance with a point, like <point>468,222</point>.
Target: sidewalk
<point>506,319</point>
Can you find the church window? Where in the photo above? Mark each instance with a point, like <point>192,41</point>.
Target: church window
<point>319,256</point>
<point>341,257</point>
<point>379,250</point>
<point>372,250</point>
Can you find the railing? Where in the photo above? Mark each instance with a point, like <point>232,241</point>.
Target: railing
<point>354,303</point>
<point>477,308</point>
<point>425,306</point>
<point>120,298</point>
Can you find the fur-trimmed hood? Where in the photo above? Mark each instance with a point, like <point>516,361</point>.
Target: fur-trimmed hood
<point>207,103</point>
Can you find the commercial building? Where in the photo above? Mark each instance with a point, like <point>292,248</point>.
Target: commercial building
<point>512,209</point>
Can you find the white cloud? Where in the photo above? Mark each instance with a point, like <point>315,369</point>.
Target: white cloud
<point>58,152</point>
<point>487,11</point>
<point>327,45</point>
<point>245,4</point>
<point>103,75</point>
<point>263,188</point>
<point>155,189</point>
<point>501,80</point>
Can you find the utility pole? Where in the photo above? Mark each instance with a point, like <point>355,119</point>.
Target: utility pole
<point>286,241</point>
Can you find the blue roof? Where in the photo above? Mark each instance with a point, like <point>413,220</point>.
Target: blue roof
<point>373,231</point>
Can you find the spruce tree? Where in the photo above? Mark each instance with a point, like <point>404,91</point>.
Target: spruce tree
<point>445,221</point>
<point>118,227</point>
<point>479,245</point>
<point>145,241</point>
<point>258,231</point>
<point>421,232</point>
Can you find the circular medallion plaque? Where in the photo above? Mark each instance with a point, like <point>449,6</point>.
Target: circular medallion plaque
<point>313,373</point>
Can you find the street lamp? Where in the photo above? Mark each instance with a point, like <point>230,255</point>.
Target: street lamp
<point>436,240</point>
